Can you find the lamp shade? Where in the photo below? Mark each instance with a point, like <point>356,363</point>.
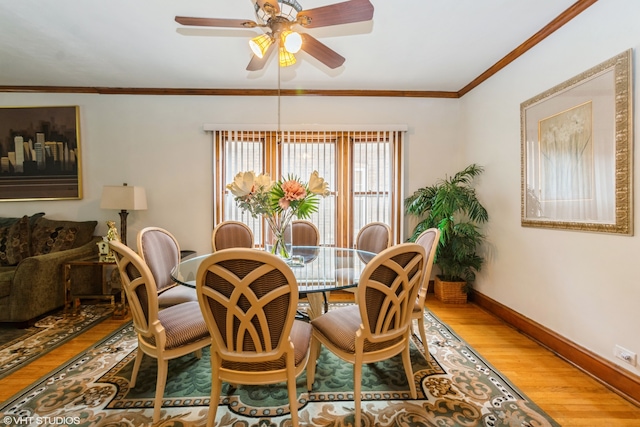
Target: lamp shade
<point>260,44</point>
<point>123,197</point>
<point>292,41</point>
<point>286,58</point>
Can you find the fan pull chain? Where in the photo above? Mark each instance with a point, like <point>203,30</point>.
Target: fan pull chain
<point>279,135</point>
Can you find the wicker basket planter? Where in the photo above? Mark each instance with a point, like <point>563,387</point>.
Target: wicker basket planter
<point>450,292</point>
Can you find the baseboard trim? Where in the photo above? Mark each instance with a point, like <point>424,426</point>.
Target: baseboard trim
<point>621,381</point>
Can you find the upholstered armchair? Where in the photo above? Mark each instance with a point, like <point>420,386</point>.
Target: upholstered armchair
<point>161,251</point>
<point>231,234</point>
<point>162,334</point>
<point>249,300</point>
<point>379,326</point>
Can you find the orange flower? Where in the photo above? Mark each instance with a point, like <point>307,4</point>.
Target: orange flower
<point>284,204</point>
<point>293,190</point>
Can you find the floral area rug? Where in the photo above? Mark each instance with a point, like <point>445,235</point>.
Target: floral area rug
<point>456,387</point>
<point>18,347</point>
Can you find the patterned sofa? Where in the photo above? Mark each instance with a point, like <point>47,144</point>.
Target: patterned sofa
<point>33,250</point>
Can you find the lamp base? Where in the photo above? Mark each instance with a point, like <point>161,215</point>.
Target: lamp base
<point>123,226</point>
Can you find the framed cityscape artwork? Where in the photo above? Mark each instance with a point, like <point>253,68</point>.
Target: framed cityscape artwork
<point>40,153</point>
<point>577,160</point>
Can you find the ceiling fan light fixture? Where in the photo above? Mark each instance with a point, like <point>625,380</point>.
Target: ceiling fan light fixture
<point>292,41</point>
<point>286,58</point>
<point>276,17</point>
<point>288,9</point>
<point>260,44</point>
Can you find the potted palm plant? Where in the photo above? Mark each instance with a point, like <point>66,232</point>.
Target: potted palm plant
<point>452,206</point>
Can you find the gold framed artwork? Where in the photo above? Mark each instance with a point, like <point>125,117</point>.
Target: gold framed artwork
<point>577,152</point>
<point>40,153</point>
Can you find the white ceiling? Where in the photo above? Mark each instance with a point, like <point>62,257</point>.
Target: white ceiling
<point>414,45</point>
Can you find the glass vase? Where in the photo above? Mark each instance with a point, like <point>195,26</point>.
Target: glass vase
<point>279,241</point>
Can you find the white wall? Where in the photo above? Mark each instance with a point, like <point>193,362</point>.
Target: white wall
<point>582,285</point>
<point>158,142</point>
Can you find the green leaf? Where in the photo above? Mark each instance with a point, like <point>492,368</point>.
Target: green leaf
<point>452,205</point>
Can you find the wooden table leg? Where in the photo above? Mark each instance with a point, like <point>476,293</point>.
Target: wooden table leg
<point>315,305</point>
<point>317,300</point>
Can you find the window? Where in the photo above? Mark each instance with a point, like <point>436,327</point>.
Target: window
<point>362,169</point>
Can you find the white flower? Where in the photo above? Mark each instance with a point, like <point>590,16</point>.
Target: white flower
<point>317,185</point>
<point>263,182</point>
<point>242,184</point>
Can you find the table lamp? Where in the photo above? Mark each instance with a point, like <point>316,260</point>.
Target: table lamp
<point>125,198</point>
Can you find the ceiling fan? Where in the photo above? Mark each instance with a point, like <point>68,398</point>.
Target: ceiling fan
<point>279,18</point>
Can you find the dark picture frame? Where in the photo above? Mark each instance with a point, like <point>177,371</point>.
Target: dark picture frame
<point>577,152</point>
<point>40,157</point>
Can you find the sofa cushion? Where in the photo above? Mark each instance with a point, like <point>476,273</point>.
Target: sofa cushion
<point>53,235</point>
<point>7,221</point>
<point>14,242</point>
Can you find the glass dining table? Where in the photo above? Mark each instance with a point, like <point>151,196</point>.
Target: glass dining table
<point>318,271</point>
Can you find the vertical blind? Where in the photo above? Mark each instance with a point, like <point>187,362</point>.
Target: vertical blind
<point>363,169</point>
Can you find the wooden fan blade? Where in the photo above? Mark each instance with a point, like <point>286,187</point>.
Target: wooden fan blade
<point>336,14</point>
<point>215,22</point>
<point>257,63</point>
<point>321,52</point>
<point>272,3</point>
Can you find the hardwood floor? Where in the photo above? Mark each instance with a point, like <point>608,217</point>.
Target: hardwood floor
<point>570,396</point>
<point>24,377</point>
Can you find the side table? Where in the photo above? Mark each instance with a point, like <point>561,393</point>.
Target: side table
<point>106,293</point>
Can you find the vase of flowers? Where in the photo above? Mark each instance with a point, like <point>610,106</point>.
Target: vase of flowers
<point>279,241</point>
<point>278,202</point>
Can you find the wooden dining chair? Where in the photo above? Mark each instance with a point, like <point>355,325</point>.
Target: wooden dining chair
<point>161,252</point>
<point>249,300</point>
<point>428,239</point>
<point>374,237</point>
<point>379,326</point>
<point>162,334</point>
<point>304,233</point>
<point>231,234</point>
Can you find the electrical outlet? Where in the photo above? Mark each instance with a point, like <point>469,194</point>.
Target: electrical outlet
<point>625,355</point>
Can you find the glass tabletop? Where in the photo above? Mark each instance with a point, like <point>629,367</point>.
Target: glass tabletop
<point>317,268</point>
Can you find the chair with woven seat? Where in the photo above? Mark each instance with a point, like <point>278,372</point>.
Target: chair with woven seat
<point>249,300</point>
<point>304,233</point>
<point>379,326</point>
<point>428,239</point>
<point>162,334</point>
<point>305,239</point>
<point>161,252</point>
<point>231,234</point>
<point>374,237</point>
